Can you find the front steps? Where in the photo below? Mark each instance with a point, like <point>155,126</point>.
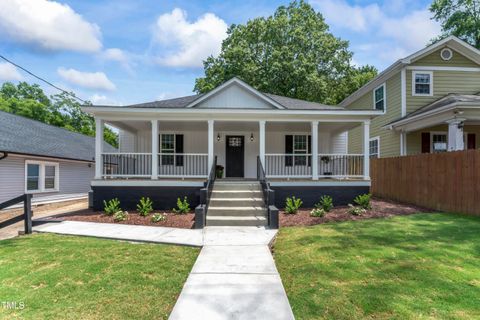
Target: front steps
<point>237,203</point>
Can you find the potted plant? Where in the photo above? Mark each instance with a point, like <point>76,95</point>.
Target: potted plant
<point>219,171</point>
<point>326,161</point>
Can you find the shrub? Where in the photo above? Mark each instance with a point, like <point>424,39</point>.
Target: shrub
<point>145,206</point>
<point>356,211</point>
<point>326,203</point>
<point>157,217</point>
<point>363,200</point>
<point>120,216</point>
<point>317,212</point>
<point>111,207</point>
<point>292,205</point>
<point>182,206</point>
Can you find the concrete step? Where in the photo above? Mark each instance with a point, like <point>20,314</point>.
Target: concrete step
<point>237,211</point>
<point>236,202</point>
<point>236,221</point>
<point>237,186</point>
<point>230,194</point>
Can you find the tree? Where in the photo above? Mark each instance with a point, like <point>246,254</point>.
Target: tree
<point>60,110</point>
<point>290,53</point>
<point>460,18</point>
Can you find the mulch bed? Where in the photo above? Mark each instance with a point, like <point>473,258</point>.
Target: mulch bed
<point>380,209</point>
<point>185,221</point>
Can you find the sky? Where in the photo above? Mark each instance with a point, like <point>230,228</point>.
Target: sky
<point>122,52</point>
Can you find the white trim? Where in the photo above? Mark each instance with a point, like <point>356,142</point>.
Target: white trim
<point>314,149</point>
<point>331,183</point>
<point>155,148</point>
<point>383,85</point>
<point>41,176</point>
<point>146,183</point>
<point>438,68</point>
<point>446,50</point>
<point>414,73</point>
<point>403,92</point>
<point>445,133</point>
<point>366,150</point>
<point>240,83</point>
<point>403,143</point>
<point>378,143</point>
<point>99,124</point>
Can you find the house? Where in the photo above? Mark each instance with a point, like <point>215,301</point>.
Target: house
<point>429,102</point>
<point>167,149</point>
<point>46,161</point>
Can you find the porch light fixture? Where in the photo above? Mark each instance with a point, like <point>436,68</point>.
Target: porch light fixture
<point>251,137</point>
<point>218,136</point>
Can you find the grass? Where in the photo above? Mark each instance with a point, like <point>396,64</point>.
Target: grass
<point>64,277</point>
<point>422,266</point>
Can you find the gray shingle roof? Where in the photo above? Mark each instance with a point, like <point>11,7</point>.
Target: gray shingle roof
<point>180,102</point>
<point>27,136</point>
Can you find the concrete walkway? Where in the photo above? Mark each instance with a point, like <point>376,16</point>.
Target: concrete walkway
<point>234,276</point>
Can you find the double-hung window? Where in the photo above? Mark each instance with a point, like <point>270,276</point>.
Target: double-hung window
<point>300,146</point>
<point>374,147</point>
<point>422,83</point>
<point>167,145</point>
<point>41,176</point>
<point>439,142</point>
<point>379,98</point>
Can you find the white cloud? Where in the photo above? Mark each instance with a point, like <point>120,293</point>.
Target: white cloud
<point>89,80</point>
<point>9,72</point>
<point>188,43</point>
<point>98,99</point>
<point>120,56</point>
<point>48,25</point>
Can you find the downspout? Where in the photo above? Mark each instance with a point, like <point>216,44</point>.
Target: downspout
<point>4,155</point>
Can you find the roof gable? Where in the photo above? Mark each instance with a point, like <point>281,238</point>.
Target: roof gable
<point>235,94</point>
<point>434,59</point>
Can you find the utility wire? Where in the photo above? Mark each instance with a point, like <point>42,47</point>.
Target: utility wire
<point>41,79</point>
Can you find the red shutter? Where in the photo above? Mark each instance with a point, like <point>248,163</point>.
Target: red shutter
<point>425,142</point>
<point>471,141</point>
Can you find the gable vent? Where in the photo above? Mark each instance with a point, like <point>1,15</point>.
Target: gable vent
<point>446,54</point>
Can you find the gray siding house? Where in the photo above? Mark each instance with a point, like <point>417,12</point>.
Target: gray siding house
<point>43,160</point>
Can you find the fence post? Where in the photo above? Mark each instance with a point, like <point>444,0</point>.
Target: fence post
<point>27,211</point>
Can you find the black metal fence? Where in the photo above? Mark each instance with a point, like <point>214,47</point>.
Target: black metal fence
<point>27,212</point>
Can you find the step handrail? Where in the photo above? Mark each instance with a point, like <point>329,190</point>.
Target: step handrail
<point>268,195</point>
<point>205,195</point>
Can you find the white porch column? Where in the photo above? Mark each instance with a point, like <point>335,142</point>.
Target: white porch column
<point>261,142</point>
<point>210,143</point>
<point>99,123</point>
<point>314,150</point>
<point>154,149</point>
<point>366,150</point>
<point>403,143</point>
<point>455,135</point>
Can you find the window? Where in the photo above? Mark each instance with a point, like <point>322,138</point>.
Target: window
<point>379,97</point>
<point>374,147</point>
<point>41,176</point>
<point>438,142</point>
<point>167,145</point>
<point>300,146</point>
<point>422,83</point>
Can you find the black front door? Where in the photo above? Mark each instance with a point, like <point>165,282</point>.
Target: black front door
<point>234,156</point>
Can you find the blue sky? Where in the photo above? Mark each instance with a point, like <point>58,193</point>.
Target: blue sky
<point>131,51</point>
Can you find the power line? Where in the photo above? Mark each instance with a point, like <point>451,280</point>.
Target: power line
<point>41,79</point>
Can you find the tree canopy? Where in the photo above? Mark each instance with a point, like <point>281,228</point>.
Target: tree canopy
<point>460,18</point>
<point>291,53</point>
<point>60,110</point>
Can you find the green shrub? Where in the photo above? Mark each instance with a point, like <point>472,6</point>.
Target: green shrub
<point>356,211</point>
<point>326,203</point>
<point>157,217</point>
<point>363,200</point>
<point>120,216</point>
<point>111,207</point>
<point>145,206</point>
<point>182,206</point>
<point>292,205</point>
<point>317,212</point>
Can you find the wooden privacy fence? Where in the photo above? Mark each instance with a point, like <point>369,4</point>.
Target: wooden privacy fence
<point>447,181</point>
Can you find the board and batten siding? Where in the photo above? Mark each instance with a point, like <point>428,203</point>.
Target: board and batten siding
<point>389,140</point>
<point>75,177</point>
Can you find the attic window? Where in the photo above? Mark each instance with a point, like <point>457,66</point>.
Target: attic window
<point>379,97</point>
<point>446,54</point>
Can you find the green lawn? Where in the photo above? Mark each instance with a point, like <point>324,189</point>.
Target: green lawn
<point>422,266</point>
<point>64,277</point>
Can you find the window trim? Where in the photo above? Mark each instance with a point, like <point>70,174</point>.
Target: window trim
<point>299,155</point>
<point>438,133</point>
<point>384,97</point>
<point>160,150</point>
<point>377,138</point>
<point>41,176</point>
<point>414,73</point>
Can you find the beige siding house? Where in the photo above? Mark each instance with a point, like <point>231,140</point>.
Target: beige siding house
<point>430,102</point>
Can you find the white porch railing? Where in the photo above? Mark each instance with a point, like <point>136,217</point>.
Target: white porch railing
<point>139,165</point>
<point>186,165</point>
<point>281,165</point>
<point>340,165</point>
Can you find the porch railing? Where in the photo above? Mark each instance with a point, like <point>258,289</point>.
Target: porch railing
<point>288,165</point>
<point>183,165</point>
<point>127,164</point>
<point>340,165</point>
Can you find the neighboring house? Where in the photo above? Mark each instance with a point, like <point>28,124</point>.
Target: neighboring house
<point>167,148</point>
<point>43,160</point>
<point>429,100</point>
